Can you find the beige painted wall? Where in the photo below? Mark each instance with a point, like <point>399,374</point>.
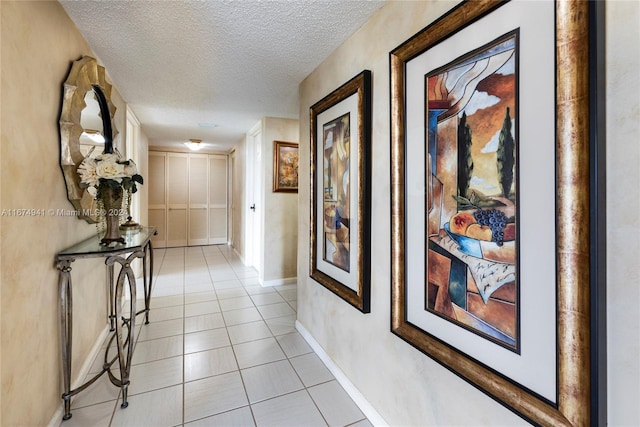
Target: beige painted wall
<point>280,227</point>
<point>38,44</point>
<point>280,219</point>
<point>405,386</point>
<point>143,169</point>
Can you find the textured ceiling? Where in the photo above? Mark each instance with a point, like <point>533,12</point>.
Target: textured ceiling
<point>224,64</point>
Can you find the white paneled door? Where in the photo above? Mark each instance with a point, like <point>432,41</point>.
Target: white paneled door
<point>188,198</point>
<point>198,192</point>
<point>177,198</point>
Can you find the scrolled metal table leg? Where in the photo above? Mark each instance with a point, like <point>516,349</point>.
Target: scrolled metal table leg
<point>112,316</point>
<point>125,359</point>
<point>124,403</point>
<point>148,280</point>
<point>66,327</point>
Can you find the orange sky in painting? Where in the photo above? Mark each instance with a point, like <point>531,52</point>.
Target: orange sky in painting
<point>486,122</point>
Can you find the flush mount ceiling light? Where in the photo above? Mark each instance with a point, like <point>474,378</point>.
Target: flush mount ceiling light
<point>207,125</point>
<point>194,144</point>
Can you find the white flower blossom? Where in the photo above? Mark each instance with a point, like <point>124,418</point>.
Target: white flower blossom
<point>87,171</point>
<point>110,169</point>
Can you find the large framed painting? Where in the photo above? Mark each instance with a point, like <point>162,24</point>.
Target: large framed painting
<point>490,132</point>
<point>285,167</point>
<point>340,191</point>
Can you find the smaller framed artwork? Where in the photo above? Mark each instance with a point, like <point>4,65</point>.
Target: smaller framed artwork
<point>285,167</point>
<point>340,191</point>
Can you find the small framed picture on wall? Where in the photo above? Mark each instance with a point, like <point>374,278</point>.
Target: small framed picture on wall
<point>285,167</point>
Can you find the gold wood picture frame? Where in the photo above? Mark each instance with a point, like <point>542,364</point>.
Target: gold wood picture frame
<point>532,61</point>
<point>340,248</point>
<point>285,167</point>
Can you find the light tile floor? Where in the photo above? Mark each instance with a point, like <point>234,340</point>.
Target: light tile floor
<point>220,350</point>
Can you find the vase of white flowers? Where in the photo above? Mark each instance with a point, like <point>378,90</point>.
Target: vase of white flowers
<point>107,177</point>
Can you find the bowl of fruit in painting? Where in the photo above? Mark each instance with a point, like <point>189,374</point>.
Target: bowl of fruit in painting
<point>484,233</point>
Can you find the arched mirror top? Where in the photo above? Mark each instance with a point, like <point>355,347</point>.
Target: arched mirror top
<point>86,127</point>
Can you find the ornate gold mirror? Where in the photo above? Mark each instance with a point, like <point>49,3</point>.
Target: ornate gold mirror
<point>86,128</point>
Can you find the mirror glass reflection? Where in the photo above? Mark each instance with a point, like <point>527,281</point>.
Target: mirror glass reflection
<point>92,127</point>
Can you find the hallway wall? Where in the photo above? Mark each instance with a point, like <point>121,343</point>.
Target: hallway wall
<point>38,44</point>
<point>279,215</point>
<point>280,209</point>
<point>403,385</point>
<point>143,169</point>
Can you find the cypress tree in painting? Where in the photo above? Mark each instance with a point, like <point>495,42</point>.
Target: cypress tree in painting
<point>465,162</point>
<point>506,156</point>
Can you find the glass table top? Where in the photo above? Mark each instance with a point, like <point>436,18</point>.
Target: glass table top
<point>91,247</point>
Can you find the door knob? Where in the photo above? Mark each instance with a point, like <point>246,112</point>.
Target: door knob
<point>253,207</point>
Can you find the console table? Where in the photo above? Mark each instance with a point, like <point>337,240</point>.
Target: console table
<point>137,245</point>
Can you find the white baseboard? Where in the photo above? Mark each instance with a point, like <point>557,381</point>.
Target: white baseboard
<point>367,409</point>
<point>239,256</point>
<point>56,420</point>
<point>280,282</point>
